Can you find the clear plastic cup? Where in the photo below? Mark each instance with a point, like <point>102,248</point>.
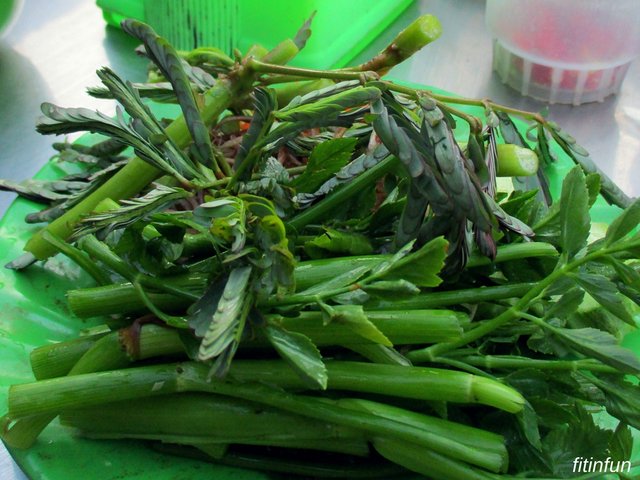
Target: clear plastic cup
<point>564,51</point>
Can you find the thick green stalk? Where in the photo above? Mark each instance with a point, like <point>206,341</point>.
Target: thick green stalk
<point>311,272</point>
<point>150,341</point>
<point>424,462</point>
<point>57,359</point>
<point>56,395</point>
<point>134,176</point>
<point>429,384</point>
<point>402,327</point>
<point>123,299</point>
<point>106,353</point>
<point>198,418</point>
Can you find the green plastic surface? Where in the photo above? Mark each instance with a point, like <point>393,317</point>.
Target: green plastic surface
<point>34,313</point>
<point>8,8</point>
<point>341,29</point>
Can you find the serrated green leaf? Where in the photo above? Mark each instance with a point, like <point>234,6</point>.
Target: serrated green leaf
<point>604,291</point>
<point>326,159</point>
<point>575,221</point>
<point>622,398</point>
<point>629,275</point>
<point>581,439</point>
<point>528,422</point>
<point>592,180</point>
<point>226,319</point>
<point>354,318</point>
<point>600,345</point>
<point>624,224</point>
<point>420,267</point>
<point>621,443</point>
<point>300,353</point>
<point>335,242</point>
<point>566,305</point>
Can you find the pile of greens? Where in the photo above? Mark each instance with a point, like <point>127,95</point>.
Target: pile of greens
<point>313,272</point>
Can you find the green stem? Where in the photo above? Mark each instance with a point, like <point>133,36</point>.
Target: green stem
<point>453,297</point>
<point>262,67</point>
<point>424,462</point>
<point>79,258</point>
<point>513,312</point>
<point>180,417</point>
<point>509,362</point>
<point>57,359</point>
<point>55,395</point>
<point>429,384</point>
<point>401,327</point>
<point>484,103</point>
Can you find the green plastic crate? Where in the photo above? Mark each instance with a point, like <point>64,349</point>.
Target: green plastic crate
<point>341,29</point>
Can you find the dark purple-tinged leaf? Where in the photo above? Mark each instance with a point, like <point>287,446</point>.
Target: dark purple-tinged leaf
<point>171,65</point>
<point>300,353</point>
<point>264,104</point>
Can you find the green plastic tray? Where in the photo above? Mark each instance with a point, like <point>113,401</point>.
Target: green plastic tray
<point>341,29</point>
<point>9,10</point>
<point>34,312</point>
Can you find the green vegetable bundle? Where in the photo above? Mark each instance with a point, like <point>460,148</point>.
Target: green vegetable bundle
<point>307,272</point>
